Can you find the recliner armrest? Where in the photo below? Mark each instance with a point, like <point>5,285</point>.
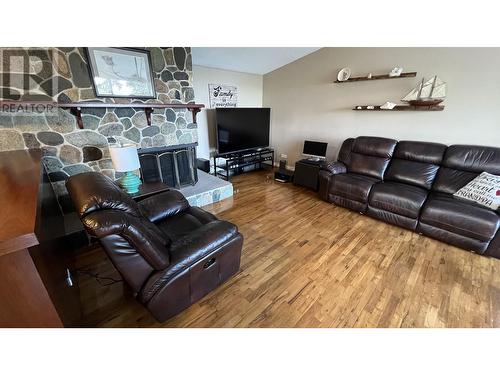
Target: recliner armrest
<point>190,248</point>
<point>163,205</point>
<point>142,235</point>
<point>335,167</point>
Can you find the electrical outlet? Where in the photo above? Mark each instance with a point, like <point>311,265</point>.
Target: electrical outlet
<point>283,156</point>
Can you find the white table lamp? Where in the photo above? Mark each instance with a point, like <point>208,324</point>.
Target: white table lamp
<point>125,159</point>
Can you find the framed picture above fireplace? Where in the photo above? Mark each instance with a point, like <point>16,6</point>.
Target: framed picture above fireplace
<point>121,72</point>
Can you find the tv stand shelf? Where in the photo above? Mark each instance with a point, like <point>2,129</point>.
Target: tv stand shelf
<point>232,164</point>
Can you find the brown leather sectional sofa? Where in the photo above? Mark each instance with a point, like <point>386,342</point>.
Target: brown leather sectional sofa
<point>169,253</point>
<point>411,184</point>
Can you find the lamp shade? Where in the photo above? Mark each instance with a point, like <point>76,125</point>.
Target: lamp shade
<point>124,158</point>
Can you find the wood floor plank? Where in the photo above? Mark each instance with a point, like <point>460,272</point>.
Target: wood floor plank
<point>307,263</point>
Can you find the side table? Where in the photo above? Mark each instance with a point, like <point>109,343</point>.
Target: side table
<point>307,173</point>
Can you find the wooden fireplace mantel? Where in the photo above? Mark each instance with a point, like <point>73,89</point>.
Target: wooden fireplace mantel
<point>76,107</point>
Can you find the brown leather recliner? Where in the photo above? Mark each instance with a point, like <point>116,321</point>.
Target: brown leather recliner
<point>411,184</point>
<point>169,253</point>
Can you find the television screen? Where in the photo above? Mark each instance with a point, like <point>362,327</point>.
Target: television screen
<point>315,148</point>
<point>242,128</point>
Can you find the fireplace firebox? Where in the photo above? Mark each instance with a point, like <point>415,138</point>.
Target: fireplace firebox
<point>173,165</point>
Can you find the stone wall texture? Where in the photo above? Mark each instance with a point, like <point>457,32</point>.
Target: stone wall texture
<point>62,75</point>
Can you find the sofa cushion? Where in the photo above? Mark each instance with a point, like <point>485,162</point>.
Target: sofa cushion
<point>415,163</point>
<point>423,152</point>
<point>412,172</point>
<point>456,216</point>
<point>402,199</point>
<point>462,163</point>
<point>374,146</point>
<point>370,156</point>
<point>353,186</point>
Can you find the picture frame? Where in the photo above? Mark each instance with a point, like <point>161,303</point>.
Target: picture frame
<point>121,72</point>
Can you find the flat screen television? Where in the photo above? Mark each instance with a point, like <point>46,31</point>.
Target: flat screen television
<point>241,129</point>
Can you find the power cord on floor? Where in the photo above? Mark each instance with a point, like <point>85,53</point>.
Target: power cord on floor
<point>103,281</point>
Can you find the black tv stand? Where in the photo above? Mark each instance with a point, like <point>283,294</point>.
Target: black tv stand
<point>236,163</point>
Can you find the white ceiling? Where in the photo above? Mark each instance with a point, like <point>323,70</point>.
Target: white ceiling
<point>257,60</point>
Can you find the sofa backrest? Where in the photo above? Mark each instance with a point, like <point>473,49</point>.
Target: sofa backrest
<point>345,151</point>
<point>462,163</point>
<point>415,163</point>
<point>370,156</point>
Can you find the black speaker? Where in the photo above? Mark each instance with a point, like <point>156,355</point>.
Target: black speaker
<point>203,164</point>
<point>282,164</point>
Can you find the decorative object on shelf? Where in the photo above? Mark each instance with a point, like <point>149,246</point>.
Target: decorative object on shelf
<point>121,72</point>
<point>396,72</point>
<point>125,159</point>
<point>388,105</point>
<point>375,77</point>
<point>223,96</point>
<point>369,76</point>
<point>427,93</point>
<point>344,75</point>
<point>399,108</point>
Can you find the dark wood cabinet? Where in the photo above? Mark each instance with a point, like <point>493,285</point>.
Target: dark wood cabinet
<point>35,252</point>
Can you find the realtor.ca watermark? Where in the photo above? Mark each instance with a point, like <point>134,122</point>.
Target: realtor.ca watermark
<point>27,107</point>
<point>29,81</point>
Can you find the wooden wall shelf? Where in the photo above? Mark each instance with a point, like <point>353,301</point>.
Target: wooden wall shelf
<point>400,108</point>
<point>76,108</point>
<point>378,77</point>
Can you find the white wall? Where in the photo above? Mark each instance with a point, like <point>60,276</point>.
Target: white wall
<point>306,104</point>
<point>249,95</point>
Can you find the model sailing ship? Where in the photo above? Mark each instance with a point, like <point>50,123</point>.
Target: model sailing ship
<point>427,93</point>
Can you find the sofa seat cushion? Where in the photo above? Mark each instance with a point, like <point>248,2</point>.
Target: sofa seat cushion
<point>402,199</point>
<point>353,186</point>
<point>185,222</point>
<point>456,216</point>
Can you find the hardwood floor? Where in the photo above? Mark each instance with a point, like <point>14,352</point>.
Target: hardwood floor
<point>307,263</point>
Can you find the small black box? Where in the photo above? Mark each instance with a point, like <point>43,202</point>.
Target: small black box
<point>203,164</point>
<point>283,176</point>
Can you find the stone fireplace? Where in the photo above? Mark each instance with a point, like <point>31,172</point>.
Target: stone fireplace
<point>69,150</point>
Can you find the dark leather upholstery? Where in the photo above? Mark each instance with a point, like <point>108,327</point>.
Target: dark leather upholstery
<point>370,156</point>
<point>365,160</point>
<point>462,163</point>
<point>412,187</point>
<point>456,216</point>
<point>402,199</point>
<point>353,186</point>
<point>415,163</point>
<point>169,253</point>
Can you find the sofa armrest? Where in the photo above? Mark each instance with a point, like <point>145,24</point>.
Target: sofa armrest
<point>335,167</point>
<point>163,205</point>
<point>326,174</point>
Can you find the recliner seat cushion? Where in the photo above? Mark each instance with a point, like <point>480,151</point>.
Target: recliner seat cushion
<point>402,199</point>
<point>448,213</point>
<point>185,222</point>
<point>353,186</point>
